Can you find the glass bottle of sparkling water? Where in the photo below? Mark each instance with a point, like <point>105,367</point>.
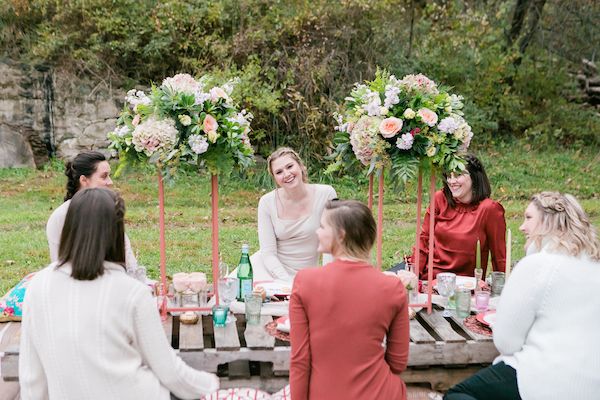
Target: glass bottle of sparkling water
<point>244,273</point>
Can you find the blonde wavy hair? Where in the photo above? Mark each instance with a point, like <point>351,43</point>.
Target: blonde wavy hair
<point>286,151</point>
<point>564,225</point>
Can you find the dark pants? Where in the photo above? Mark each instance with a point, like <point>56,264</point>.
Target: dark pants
<point>496,382</point>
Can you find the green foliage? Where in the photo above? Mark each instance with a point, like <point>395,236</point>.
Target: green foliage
<point>298,58</point>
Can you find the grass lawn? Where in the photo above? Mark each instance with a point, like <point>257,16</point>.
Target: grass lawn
<point>27,197</point>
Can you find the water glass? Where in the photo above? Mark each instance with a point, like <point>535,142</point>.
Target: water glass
<point>219,314</point>
<point>463,302</point>
<point>482,300</point>
<point>446,283</point>
<point>253,305</point>
<point>497,283</point>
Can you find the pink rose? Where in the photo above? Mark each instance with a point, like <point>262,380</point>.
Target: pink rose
<point>415,131</point>
<point>389,127</point>
<point>217,93</point>
<point>210,124</point>
<point>428,116</point>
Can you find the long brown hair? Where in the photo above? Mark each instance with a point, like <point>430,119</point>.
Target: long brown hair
<point>93,232</point>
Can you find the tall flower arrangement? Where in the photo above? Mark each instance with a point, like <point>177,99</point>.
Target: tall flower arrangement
<point>184,121</point>
<point>401,123</point>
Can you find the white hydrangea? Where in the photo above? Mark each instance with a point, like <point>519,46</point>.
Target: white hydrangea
<point>198,144</point>
<point>448,125</point>
<point>405,141</point>
<point>372,104</point>
<point>121,131</point>
<point>184,83</point>
<point>135,97</point>
<point>154,135</point>
<point>391,96</point>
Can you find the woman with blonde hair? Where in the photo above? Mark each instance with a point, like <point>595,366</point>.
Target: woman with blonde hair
<point>288,218</point>
<point>349,322</point>
<point>547,321</point>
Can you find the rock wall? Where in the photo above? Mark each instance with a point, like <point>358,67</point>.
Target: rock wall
<point>46,113</point>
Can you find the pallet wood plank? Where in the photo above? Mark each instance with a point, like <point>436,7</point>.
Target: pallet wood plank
<point>191,337</point>
<point>226,337</point>
<point>474,335</point>
<point>418,334</point>
<point>441,327</point>
<point>257,337</point>
<point>11,337</point>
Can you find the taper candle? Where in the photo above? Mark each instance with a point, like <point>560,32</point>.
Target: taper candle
<point>478,255</point>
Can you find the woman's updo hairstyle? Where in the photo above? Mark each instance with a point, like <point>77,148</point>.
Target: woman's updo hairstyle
<point>84,164</point>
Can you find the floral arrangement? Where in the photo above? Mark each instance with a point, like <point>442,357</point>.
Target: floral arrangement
<point>184,121</point>
<point>402,123</point>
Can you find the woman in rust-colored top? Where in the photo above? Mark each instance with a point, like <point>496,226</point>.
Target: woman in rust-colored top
<point>349,322</point>
<point>464,213</point>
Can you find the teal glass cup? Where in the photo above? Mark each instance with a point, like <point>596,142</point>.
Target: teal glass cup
<point>219,314</point>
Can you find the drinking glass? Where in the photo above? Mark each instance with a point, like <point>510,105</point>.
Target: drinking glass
<point>497,283</point>
<point>220,315</point>
<point>228,288</point>
<point>482,300</point>
<point>463,302</point>
<point>446,283</point>
<point>253,304</point>
<point>478,275</point>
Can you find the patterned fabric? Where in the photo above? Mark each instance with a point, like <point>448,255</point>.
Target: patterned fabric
<point>476,326</point>
<point>272,330</point>
<point>11,303</point>
<point>249,394</point>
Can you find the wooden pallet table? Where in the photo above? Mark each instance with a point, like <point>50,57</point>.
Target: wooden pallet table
<point>442,351</point>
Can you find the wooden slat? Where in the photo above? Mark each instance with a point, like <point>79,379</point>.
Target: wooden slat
<point>257,337</point>
<point>239,369</point>
<point>191,337</point>
<point>441,327</point>
<point>418,334</point>
<point>226,337</point>
<point>474,335</point>
<point>11,336</point>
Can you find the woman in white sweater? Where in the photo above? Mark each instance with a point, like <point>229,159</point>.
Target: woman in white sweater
<point>90,331</point>
<point>547,321</point>
<point>288,218</point>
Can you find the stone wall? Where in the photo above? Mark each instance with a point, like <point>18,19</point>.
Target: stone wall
<point>46,113</point>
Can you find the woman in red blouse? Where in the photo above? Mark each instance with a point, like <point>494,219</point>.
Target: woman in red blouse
<point>464,213</point>
<point>349,322</point>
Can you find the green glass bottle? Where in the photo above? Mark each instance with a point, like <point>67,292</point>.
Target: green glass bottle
<point>244,274</point>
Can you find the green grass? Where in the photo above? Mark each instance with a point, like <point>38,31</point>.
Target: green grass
<point>27,197</point>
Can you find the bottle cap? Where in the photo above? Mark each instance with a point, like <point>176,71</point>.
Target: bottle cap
<point>245,248</point>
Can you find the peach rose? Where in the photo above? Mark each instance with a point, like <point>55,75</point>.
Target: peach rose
<point>428,116</point>
<point>217,93</point>
<point>210,124</point>
<point>389,127</point>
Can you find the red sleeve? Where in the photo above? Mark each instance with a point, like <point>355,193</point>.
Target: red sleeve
<point>495,230</point>
<point>396,354</point>
<point>300,357</point>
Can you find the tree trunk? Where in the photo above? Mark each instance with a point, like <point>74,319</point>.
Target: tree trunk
<point>517,22</point>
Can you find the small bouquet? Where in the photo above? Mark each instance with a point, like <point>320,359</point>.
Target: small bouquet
<point>401,122</point>
<point>184,120</point>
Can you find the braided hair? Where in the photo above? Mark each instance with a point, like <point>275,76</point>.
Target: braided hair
<point>84,164</point>
<point>481,184</point>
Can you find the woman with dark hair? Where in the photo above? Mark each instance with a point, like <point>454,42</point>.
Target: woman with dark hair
<point>547,324</point>
<point>89,331</point>
<point>349,322</point>
<point>464,214</point>
<point>87,170</point>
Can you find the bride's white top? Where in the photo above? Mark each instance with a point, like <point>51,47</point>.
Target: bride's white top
<point>287,246</point>
<point>548,324</point>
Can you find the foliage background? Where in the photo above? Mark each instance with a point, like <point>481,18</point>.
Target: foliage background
<point>299,58</point>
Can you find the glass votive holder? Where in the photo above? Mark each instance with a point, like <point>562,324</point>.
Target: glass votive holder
<point>463,301</point>
<point>497,283</point>
<point>253,303</point>
<point>482,300</point>
<point>219,314</point>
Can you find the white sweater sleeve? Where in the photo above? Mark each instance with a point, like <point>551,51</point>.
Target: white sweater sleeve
<point>32,378</point>
<point>521,299</point>
<point>172,372</point>
<point>268,242</point>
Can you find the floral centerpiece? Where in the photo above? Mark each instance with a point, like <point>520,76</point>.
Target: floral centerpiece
<point>184,120</point>
<point>400,123</point>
